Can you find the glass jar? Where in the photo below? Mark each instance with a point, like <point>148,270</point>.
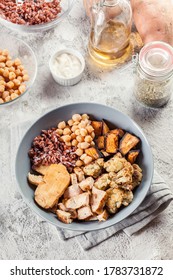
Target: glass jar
<point>154,74</point>
<point>111,22</point>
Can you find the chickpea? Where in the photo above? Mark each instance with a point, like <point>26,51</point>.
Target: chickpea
<point>6,73</point>
<point>1,78</point>
<point>76,118</point>
<point>5,52</point>
<point>14,95</point>
<point>62,125</point>
<point>9,63</point>
<point>2,65</point>
<point>17,62</point>
<point>1,101</point>
<point>79,152</point>
<point>19,78</point>
<point>82,157</point>
<point>68,144</point>
<point>2,82</point>
<point>74,143</point>
<point>7,99</point>
<point>70,122</point>
<point>66,138</point>
<point>77,132</point>
<point>12,76</point>
<point>5,94</point>
<point>17,92</point>
<point>90,128</point>
<point>12,69</point>
<point>92,135</point>
<point>74,128</point>
<point>20,67</point>
<point>67,131</point>
<point>83,132</point>
<point>85,116</point>
<point>88,139</point>
<point>16,82</point>
<point>92,143</point>
<point>25,77</point>
<point>22,88</point>
<point>84,145</point>
<point>87,160</point>
<point>79,163</point>
<point>82,124</point>
<point>59,131</point>
<point>2,58</point>
<point>80,138</point>
<point>18,72</point>
<point>73,136</point>
<point>2,88</point>
<point>24,72</point>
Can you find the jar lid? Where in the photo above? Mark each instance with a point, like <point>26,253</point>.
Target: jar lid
<point>156,58</point>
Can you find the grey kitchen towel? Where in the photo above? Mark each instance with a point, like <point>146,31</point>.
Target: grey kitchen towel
<point>157,200</point>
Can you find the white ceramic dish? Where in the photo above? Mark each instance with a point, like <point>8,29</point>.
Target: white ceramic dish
<point>67,81</point>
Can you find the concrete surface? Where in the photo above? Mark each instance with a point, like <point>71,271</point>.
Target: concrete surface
<point>22,235</point>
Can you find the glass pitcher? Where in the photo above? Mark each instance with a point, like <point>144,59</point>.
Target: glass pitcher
<point>111,22</point>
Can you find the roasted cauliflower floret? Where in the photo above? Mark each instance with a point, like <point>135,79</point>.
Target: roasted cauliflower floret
<point>116,198</point>
<point>102,182</point>
<point>94,169</point>
<point>137,176</point>
<point>114,164</point>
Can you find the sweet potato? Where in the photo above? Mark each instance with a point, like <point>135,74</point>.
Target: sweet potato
<point>111,143</point>
<point>105,128</point>
<point>100,142</point>
<point>127,143</point>
<point>93,152</point>
<point>132,156</point>
<point>154,20</point>
<point>97,127</point>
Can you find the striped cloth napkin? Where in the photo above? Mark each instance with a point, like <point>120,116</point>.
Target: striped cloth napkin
<point>156,201</point>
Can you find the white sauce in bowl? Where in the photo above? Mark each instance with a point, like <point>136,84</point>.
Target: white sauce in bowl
<point>67,65</point>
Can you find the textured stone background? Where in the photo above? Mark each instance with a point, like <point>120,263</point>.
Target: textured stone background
<point>22,234</point>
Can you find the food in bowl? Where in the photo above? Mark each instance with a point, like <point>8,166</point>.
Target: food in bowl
<point>97,162</point>
<point>13,76</point>
<point>30,12</point>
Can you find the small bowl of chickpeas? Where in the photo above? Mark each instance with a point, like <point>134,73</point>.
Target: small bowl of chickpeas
<point>18,69</point>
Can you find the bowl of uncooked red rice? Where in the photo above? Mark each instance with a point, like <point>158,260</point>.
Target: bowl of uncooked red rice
<point>33,15</point>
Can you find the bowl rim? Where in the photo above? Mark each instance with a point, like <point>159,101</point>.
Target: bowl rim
<point>37,27</point>
<point>75,53</point>
<point>107,223</point>
<point>35,74</point>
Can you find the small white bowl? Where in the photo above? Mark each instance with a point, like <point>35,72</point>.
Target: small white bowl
<point>67,81</point>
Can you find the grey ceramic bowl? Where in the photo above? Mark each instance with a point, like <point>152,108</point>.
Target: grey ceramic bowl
<point>98,112</point>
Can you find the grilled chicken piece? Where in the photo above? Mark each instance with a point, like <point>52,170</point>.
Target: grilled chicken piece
<point>62,207</point>
<point>103,216</point>
<point>116,198</point>
<point>84,213</point>
<point>94,169</point>
<point>72,190</point>
<point>137,176</point>
<point>102,182</point>
<point>80,174</point>
<point>114,164</point>
<point>98,200</point>
<point>73,178</point>
<point>64,217</point>
<point>78,201</point>
<point>35,179</point>
<point>123,177</point>
<point>87,184</point>
<point>56,180</point>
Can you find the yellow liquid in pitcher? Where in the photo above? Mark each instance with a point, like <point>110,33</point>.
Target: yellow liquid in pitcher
<point>112,47</point>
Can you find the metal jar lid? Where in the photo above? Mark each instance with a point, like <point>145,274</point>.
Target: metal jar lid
<point>156,59</point>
